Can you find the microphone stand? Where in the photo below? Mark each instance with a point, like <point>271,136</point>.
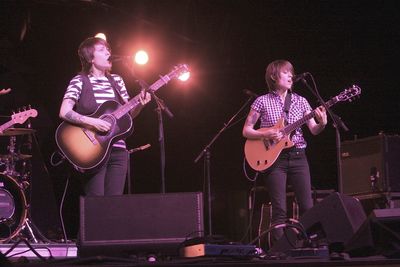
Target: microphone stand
<point>337,124</point>
<point>160,107</point>
<point>131,151</point>
<point>128,175</point>
<point>206,154</point>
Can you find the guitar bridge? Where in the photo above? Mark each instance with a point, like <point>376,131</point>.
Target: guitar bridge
<point>91,137</point>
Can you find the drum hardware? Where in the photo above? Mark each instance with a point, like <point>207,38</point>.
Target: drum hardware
<point>28,225</point>
<point>13,208</point>
<point>14,187</point>
<point>17,131</point>
<point>9,160</point>
<point>15,157</point>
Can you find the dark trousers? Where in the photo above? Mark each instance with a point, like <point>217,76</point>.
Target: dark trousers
<point>109,178</point>
<point>291,167</point>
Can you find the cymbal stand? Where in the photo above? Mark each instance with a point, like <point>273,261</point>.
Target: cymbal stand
<point>10,166</point>
<point>28,226</point>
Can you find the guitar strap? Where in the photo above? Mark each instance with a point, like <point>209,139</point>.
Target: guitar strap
<point>286,107</point>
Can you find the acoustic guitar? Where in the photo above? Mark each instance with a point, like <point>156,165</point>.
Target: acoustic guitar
<point>85,148</point>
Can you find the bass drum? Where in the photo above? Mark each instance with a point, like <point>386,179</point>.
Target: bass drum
<point>13,208</point>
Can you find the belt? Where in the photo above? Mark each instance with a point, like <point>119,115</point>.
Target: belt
<point>293,150</point>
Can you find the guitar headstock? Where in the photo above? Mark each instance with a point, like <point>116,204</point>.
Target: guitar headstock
<point>22,116</point>
<point>349,94</point>
<point>178,70</point>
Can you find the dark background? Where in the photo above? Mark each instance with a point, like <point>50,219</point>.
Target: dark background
<point>227,45</point>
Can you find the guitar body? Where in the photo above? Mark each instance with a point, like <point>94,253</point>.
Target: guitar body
<point>86,149</point>
<point>261,154</point>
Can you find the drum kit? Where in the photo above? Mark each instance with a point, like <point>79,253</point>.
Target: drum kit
<point>15,179</point>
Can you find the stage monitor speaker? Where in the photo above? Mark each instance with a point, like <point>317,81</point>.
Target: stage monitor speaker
<point>373,157</point>
<point>378,235</point>
<point>333,221</point>
<point>129,224</point>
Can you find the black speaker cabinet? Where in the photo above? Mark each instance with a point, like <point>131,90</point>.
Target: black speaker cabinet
<point>378,235</point>
<point>373,157</point>
<point>128,224</point>
<point>333,220</point>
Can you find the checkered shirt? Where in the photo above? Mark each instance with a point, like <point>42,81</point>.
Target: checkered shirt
<point>270,106</point>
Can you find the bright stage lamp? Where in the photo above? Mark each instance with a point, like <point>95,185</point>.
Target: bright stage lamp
<point>101,36</point>
<point>141,57</point>
<point>184,76</point>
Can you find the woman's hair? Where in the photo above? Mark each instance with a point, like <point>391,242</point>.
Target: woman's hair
<point>273,70</point>
<point>86,50</point>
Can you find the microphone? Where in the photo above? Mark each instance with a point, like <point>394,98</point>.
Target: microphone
<point>299,77</point>
<point>250,93</point>
<point>115,58</point>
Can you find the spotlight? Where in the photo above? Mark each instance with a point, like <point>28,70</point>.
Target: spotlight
<point>184,76</point>
<point>101,36</point>
<point>141,57</point>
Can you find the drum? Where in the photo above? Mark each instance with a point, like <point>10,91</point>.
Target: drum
<point>13,208</point>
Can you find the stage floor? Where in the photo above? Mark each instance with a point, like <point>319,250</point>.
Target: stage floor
<point>67,255</point>
<point>46,250</point>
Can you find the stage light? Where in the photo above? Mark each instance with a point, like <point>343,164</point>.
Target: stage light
<point>141,57</point>
<point>101,36</point>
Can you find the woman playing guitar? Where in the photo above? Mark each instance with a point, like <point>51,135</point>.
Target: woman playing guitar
<point>291,164</point>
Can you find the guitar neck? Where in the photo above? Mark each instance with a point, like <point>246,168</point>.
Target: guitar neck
<point>131,104</point>
<point>291,127</point>
<point>6,125</point>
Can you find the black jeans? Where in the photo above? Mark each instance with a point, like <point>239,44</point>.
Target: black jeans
<point>291,167</point>
<point>109,178</point>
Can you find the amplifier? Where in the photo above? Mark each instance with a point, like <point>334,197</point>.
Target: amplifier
<point>370,164</point>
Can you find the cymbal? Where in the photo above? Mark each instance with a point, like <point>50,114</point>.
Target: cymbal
<point>23,156</point>
<point>15,156</point>
<point>17,131</point>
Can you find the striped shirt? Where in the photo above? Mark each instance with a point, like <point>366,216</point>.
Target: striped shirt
<point>270,106</point>
<point>102,90</point>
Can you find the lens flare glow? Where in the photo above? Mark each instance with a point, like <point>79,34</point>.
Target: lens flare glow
<point>101,36</point>
<point>184,76</point>
<point>141,57</point>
